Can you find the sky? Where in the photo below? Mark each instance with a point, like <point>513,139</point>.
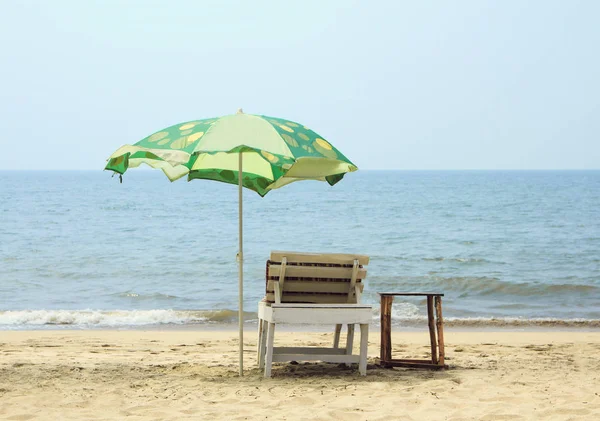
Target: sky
<point>392,84</point>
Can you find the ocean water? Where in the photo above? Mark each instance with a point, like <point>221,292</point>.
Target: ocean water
<point>79,249</point>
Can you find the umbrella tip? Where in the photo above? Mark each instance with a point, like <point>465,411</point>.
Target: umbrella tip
<point>240,111</point>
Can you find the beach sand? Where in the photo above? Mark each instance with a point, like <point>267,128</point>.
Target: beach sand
<point>192,374</point>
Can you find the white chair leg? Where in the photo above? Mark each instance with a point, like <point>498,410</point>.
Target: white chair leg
<point>262,344</point>
<point>336,336</point>
<point>258,342</point>
<point>349,341</point>
<point>269,350</point>
<point>364,342</point>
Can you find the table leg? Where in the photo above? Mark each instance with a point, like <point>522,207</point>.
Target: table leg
<point>434,359</point>
<point>386,329</point>
<point>440,328</point>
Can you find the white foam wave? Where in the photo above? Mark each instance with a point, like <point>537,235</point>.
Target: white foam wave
<point>403,314</point>
<point>97,318</point>
<point>401,311</point>
<point>407,314</point>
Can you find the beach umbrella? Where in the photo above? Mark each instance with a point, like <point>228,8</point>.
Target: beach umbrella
<point>268,152</point>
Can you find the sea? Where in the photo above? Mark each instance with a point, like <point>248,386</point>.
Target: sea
<point>80,250</point>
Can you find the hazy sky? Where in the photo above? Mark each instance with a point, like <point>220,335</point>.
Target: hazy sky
<point>393,84</point>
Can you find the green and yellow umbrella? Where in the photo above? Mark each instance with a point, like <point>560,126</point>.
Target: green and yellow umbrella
<point>268,152</point>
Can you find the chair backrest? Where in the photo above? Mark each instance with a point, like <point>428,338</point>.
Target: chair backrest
<point>315,278</point>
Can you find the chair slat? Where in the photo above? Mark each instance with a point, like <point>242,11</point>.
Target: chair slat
<point>311,298</point>
<point>316,272</point>
<point>312,287</point>
<point>335,258</point>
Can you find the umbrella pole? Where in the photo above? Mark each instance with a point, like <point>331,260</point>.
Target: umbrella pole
<point>241,270</point>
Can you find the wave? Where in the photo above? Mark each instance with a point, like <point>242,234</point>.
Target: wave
<point>141,297</point>
<point>458,260</point>
<point>408,315</point>
<point>91,318</point>
<point>117,318</point>
<point>403,315</point>
<point>533,289</point>
<point>484,285</point>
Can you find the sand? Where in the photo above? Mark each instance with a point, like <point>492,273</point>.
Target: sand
<point>192,374</point>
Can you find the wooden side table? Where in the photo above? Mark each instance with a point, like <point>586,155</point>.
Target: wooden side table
<point>437,349</point>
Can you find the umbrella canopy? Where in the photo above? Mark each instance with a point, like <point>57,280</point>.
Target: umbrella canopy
<point>276,152</point>
<point>268,152</point>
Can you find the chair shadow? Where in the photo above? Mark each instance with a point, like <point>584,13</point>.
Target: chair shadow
<point>375,372</point>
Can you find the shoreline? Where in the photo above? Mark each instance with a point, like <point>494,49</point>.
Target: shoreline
<point>252,326</point>
<point>156,318</point>
<point>301,329</point>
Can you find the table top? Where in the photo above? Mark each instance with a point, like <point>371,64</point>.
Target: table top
<point>430,294</point>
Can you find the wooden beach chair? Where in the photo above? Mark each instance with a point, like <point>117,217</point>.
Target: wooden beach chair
<point>314,289</point>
